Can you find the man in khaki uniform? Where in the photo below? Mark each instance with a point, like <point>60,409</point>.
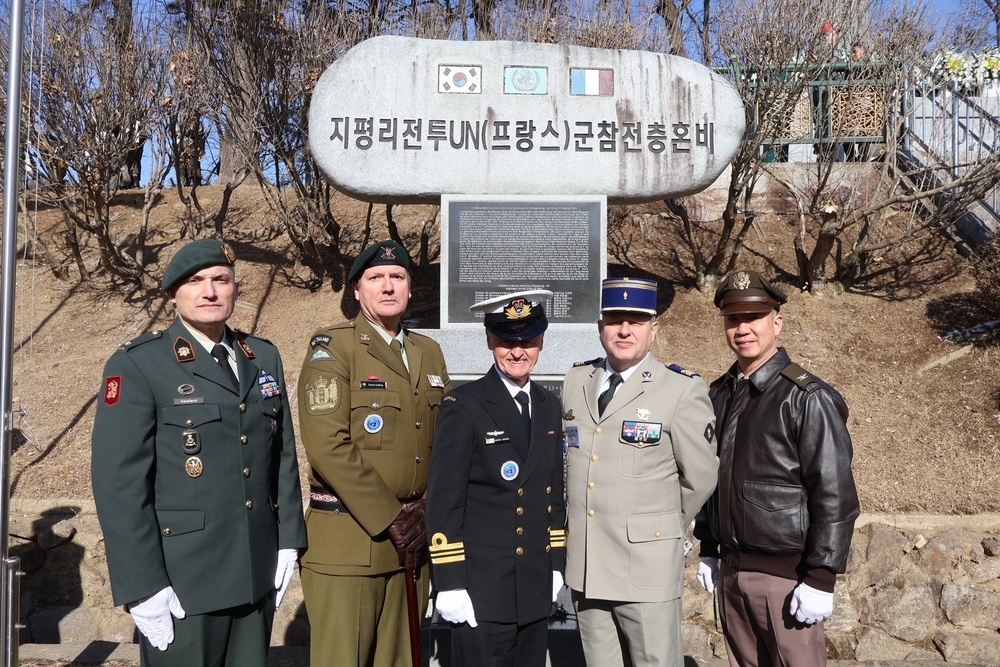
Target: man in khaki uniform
<point>369,396</point>
<point>640,439</point>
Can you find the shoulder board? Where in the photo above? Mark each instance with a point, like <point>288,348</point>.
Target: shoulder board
<point>683,371</point>
<point>800,376</point>
<point>589,362</point>
<point>144,338</point>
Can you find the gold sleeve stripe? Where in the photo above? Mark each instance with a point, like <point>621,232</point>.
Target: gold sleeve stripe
<point>557,538</point>
<point>443,551</point>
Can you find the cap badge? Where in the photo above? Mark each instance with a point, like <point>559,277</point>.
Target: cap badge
<point>518,309</point>
<point>742,280</point>
<point>624,296</point>
<point>387,253</point>
<point>227,250</point>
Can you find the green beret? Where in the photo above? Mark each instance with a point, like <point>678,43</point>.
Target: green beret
<point>747,292</point>
<point>384,253</point>
<point>196,256</point>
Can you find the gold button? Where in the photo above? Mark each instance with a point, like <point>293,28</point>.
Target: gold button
<point>550,509</point>
<point>166,531</point>
<point>189,423</point>
<point>249,504</point>
<point>591,485</point>
<point>658,534</point>
<point>520,492</point>
<point>520,531</point>
<point>274,410</point>
<point>246,472</point>
<point>520,511</point>
<point>519,551</point>
<point>591,512</point>
<point>243,407</point>
<point>420,424</point>
<point>420,459</point>
<point>548,548</point>
<point>548,490</point>
<point>598,430</point>
<point>244,439</point>
<point>594,457</point>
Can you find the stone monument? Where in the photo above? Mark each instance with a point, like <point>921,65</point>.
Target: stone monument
<point>523,145</point>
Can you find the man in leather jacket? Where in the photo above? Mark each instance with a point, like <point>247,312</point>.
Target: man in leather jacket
<point>778,528</point>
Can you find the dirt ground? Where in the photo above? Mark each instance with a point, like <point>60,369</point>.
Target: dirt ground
<point>925,435</point>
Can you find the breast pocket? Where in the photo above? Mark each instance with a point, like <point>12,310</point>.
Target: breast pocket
<point>640,448</point>
<point>375,417</point>
<point>190,416</point>
<point>774,516</point>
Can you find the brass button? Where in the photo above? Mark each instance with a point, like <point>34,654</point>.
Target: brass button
<point>189,423</point>
<point>244,439</point>
<point>550,509</point>
<point>658,534</point>
<point>598,430</point>
<point>520,511</point>
<point>591,512</point>
<point>519,551</point>
<point>520,492</point>
<point>416,393</point>
<point>594,457</point>
<point>246,472</point>
<point>420,459</point>
<point>166,531</point>
<point>243,407</point>
<point>420,424</point>
<point>548,490</point>
<point>274,409</point>
<point>548,548</point>
<point>520,531</point>
<point>249,504</point>
<point>591,485</point>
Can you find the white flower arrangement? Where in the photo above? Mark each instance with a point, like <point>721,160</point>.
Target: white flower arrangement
<point>969,70</point>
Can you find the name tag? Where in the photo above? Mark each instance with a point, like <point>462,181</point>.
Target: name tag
<point>189,401</point>
<point>367,384</point>
<point>573,436</point>
<point>641,432</point>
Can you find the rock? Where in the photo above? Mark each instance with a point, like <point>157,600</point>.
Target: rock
<point>875,644</point>
<point>969,647</point>
<point>56,534</point>
<point>885,547</point>
<point>944,554</point>
<point>988,570</point>
<point>905,605</point>
<point>991,546</point>
<point>966,606</point>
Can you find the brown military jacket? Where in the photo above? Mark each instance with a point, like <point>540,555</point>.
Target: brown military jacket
<point>367,425</point>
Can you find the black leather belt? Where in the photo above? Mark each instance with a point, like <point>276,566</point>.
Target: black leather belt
<point>322,499</point>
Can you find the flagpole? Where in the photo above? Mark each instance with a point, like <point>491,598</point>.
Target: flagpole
<point>9,582</point>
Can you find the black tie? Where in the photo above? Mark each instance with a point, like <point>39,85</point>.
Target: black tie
<point>220,354</point>
<point>522,398</point>
<point>605,398</point>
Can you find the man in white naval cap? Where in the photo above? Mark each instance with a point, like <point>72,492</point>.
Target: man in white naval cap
<point>495,512</point>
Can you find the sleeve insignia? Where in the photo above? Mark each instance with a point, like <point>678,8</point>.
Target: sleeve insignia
<point>451,398</point>
<point>320,339</point>
<point>710,432</point>
<point>557,538</point>
<point>112,390</point>
<point>443,551</point>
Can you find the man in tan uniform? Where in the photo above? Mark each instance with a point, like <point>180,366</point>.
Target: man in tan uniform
<point>369,396</point>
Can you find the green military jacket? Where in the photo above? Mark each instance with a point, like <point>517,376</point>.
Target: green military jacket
<point>367,425</point>
<point>196,483</point>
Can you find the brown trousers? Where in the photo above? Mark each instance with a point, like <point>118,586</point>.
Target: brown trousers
<point>756,623</point>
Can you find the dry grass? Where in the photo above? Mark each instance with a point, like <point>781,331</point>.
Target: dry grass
<point>924,441</point>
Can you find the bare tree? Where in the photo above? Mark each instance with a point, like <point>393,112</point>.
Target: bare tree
<point>799,83</point>
<point>101,86</point>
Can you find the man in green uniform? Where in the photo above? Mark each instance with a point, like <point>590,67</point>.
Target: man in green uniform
<point>195,475</point>
<point>369,396</point>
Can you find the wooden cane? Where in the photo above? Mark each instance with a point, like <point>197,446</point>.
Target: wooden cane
<point>413,613</point>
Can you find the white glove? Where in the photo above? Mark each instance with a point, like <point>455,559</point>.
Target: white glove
<point>557,584</point>
<point>283,572</point>
<point>152,615</point>
<point>708,573</point>
<point>456,607</point>
<point>809,605</point>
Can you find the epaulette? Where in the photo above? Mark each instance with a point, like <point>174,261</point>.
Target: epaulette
<point>683,371</point>
<point>800,376</point>
<point>589,362</point>
<point>144,338</point>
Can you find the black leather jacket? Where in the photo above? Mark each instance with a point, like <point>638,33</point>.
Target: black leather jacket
<point>786,500</point>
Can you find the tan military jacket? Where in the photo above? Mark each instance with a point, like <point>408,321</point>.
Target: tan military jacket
<point>367,425</point>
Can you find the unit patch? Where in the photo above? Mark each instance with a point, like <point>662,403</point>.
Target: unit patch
<point>112,390</point>
<point>319,339</point>
<point>374,423</point>
<point>322,394</point>
<point>509,470</point>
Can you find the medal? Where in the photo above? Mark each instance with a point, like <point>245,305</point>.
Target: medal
<point>194,467</point>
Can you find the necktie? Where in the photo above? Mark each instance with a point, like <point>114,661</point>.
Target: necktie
<point>220,354</point>
<point>522,398</point>
<point>397,347</point>
<point>605,398</point>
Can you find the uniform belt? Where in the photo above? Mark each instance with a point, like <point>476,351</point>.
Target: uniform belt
<point>322,499</point>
